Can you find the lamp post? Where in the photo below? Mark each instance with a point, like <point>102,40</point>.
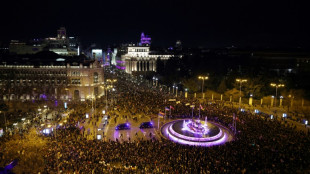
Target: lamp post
<point>4,120</point>
<point>203,78</point>
<point>34,89</point>
<point>186,92</point>
<point>111,81</point>
<point>276,86</point>
<point>156,81</point>
<point>92,101</point>
<point>153,81</point>
<point>240,82</point>
<point>106,98</point>
<point>173,89</point>
<point>56,147</point>
<point>66,89</point>
<point>176,89</point>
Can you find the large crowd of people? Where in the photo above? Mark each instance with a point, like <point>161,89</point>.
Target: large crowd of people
<point>260,145</point>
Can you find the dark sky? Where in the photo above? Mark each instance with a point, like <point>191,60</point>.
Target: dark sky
<point>207,23</point>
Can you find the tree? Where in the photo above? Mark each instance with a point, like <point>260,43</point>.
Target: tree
<point>160,66</point>
<point>222,87</point>
<point>191,84</point>
<point>3,108</point>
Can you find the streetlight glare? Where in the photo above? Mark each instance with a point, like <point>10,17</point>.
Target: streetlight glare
<point>276,86</point>
<point>241,80</point>
<point>203,77</point>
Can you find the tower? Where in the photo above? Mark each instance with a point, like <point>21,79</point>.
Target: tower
<point>145,39</point>
<point>61,33</point>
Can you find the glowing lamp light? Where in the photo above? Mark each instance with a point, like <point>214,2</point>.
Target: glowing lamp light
<point>103,112</point>
<point>15,124</point>
<point>272,96</point>
<point>306,122</point>
<point>23,119</point>
<point>271,116</point>
<point>242,110</point>
<point>65,105</point>
<point>87,115</point>
<point>99,137</point>
<point>284,115</point>
<point>46,131</point>
<point>45,106</point>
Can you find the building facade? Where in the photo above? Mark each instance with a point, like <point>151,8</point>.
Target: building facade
<point>61,44</point>
<point>139,59</point>
<point>57,79</point>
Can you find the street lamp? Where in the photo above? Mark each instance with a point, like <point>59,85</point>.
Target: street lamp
<point>176,89</point>
<point>276,86</point>
<point>153,81</point>
<point>112,81</point>
<point>240,81</point>
<point>34,89</point>
<point>203,78</point>
<point>156,81</point>
<point>67,93</point>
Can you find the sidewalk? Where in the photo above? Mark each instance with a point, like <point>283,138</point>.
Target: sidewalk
<point>277,113</point>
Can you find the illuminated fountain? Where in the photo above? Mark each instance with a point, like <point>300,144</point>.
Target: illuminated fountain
<point>195,126</point>
<point>196,132</point>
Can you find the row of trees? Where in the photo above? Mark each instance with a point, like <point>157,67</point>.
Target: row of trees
<point>223,71</point>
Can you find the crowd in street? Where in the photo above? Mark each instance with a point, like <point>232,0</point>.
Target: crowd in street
<point>260,145</point>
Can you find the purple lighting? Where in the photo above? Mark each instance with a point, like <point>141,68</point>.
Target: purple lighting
<point>120,67</point>
<point>195,143</point>
<point>119,61</point>
<point>195,127</point>
<point>193,132</point>
<point>145,39</point>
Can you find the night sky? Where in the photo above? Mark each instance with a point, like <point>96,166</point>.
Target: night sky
<point>195,23</point>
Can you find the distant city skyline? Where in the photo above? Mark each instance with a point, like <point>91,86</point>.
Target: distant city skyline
<point>213,24</point>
